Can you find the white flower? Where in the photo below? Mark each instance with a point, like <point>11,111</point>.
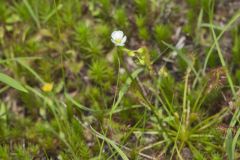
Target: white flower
<point>118,38</point>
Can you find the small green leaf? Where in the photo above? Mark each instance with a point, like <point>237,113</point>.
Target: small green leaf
<point>11,82</point>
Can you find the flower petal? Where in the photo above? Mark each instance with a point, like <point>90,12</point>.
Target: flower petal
<point>113,34</point>
<point>124,39</point>
<point>117,35</point>
<point>113,41</point>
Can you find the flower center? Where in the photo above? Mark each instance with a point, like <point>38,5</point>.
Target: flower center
<point>118,40</point>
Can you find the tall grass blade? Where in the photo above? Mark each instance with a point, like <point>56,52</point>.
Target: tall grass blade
<point>31,12</point>
<point>229,149</point>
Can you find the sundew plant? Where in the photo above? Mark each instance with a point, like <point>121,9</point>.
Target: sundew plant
<point>119,80</point>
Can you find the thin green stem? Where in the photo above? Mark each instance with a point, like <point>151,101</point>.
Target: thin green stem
<point>119,52</point>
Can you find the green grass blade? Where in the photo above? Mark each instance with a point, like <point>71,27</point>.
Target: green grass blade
<point>224,65</point>
<point>68,97</point>
<point>18,58</point>
<point>229,149</point>
<point>235,140</point>
<point>54,11</point>
<point>11,82</point>
<point>183,57</point>
<point>112,143</point>
<point>224,29</point>
<point>31,12</point>
<point>26,66</point>
<point>124,89</point>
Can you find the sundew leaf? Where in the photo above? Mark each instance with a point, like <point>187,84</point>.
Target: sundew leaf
<point>12,83</point>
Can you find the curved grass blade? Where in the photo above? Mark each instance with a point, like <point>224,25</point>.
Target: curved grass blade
<point>112,143</point>
<point>26,66</point>
<point>78,104</point>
